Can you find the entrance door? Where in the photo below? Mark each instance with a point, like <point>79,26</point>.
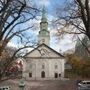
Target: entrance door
<point>43,74</point>
<point>56,75</point>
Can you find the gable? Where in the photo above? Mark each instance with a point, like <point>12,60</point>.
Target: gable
<point>44,51</point>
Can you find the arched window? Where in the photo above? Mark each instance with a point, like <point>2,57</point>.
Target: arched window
<point>56,75</point>
<point>59,75</point>
<point>30,74</point>
<point>56,66</point>
<point>43,66</point>
<point>30,66</point>
<point>43,40</point>
<point>43,74</point>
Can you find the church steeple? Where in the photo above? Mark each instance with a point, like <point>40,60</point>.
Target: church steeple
<point>43,23</point>
<point>44,35</point>
<point>44,18</point>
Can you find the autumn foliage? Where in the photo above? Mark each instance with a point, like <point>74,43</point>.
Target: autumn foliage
<point>80,66</point>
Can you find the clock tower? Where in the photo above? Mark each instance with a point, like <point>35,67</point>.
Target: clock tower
<point>44,34</point>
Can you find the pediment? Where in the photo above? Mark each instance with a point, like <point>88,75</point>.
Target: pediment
<point>44,51</point>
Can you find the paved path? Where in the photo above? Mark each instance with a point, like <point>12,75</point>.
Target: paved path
<point>42,85</point>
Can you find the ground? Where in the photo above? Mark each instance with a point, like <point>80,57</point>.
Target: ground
<point>41,85</point>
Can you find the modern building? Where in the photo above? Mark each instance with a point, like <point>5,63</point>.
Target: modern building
<point>82,46</point>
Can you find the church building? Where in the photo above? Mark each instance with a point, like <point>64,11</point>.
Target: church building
<point>43,63</point>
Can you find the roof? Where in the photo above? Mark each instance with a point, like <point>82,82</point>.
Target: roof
<point>46,47</point>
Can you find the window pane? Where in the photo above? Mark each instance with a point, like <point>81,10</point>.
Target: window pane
<point>43,66</point>
<point>30,74</point>
<point>30,66</point>
<point>56,66</point>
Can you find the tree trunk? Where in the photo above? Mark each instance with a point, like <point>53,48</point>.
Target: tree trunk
<point>88,33</point>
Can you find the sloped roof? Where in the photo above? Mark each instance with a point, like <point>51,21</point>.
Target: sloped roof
<point>47,47</point>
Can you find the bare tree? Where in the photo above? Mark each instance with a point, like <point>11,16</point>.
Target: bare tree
<point>75,13</point>
<point>14,15</point>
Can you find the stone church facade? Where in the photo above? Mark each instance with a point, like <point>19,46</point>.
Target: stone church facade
<point>43,63</point>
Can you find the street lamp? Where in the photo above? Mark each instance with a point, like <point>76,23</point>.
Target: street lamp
<point>22,84</point>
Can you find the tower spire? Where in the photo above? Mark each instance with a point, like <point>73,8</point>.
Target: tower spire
<point>44,35</point>
<point>44,22</point>
<point>44,18</point>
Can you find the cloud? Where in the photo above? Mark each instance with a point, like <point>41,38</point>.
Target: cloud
<point>44,2</point>
<point>11,44</point>
<point>63,45</point>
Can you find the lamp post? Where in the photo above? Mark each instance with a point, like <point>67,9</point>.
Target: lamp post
<point>22,84</point>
